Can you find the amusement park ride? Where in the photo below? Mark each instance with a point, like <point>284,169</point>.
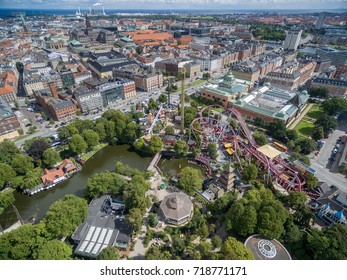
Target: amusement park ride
<point>212,129</point>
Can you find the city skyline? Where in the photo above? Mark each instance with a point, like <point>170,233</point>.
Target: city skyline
<point>172,4</point>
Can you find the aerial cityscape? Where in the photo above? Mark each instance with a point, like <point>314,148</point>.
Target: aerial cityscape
<point>173,130</point>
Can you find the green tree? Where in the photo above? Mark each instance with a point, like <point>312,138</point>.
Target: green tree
<point>328,244</point>
<point>205,250</point>
<point>235,250</point>
<point>6,198</point>
<point>110,129</point>
<point>21,243</point>
<point>109,253</point>
<point>212,150</point>
<point>100,130</point>
<point>319,92</point>
<point>327,122</point>
<point>292,134</point>
<point>51,157</point>
<point>311,181</point>
<point>306,145</point>
<point>259,122</point>
<point>216,242</point>
<point>152,219</point>
<point>277,129</point>
<point>54,250</point>
<point>334,105</point>
<point>36,146</point>
<point>295,155</point>
<point>157,253</point>
<point>271,220</point>
<point>170,130</point>
<point>155,145</point>
<point>250,172</point>
<point>260,138</point>
<point>162,98</point>
<point>180,147</point>
<point>77,144</point>
<point>140,144</point>
<point>135,194</point>
<point>343,168</point>
<point>63,133</point>
<point>7,173</point>
<point>64,215</point>
<point>190,179</point>
<point>206,76</point>
<point>317,133</point>
<point>296,199</point>
<point>103,183</point>
<point>135,219</point>
<point>91,138</point>
<point>7,151</point>
<point>22,164</point>
<point>139,50</point>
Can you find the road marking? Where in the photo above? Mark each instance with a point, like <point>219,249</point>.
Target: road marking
<point>318,165</point>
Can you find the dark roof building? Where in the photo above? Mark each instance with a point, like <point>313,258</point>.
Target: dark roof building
<point>104,227</point>
<point>176,208</point>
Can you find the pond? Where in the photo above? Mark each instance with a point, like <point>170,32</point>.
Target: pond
<point>103,160</point>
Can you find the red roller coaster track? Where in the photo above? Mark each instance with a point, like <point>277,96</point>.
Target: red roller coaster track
<point>278,169</point>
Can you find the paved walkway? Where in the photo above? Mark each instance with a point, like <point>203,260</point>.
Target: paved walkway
<point>294,124</point>
<point>139,250</point>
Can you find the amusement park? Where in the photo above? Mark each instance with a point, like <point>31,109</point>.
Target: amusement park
<point>229,131</point>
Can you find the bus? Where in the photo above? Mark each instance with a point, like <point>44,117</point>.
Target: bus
<point>280,146</point>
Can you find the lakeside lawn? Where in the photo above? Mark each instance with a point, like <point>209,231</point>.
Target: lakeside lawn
<point>305,128</point>
<point>89,154</point>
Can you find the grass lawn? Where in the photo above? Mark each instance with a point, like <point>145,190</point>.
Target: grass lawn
<point>97,148</point>
<point>305,128</point>
<point>196,82</point>
<point>23,136</point>
<point>315,112</point>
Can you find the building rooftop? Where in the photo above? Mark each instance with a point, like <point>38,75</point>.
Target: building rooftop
<point>176,206</point>
<point>5,109</point>
<point>103,227</point>
<point>273,102</point>
<point>227,86</point>
<point>266,249</point>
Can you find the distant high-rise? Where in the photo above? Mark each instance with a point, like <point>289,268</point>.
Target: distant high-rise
<point>320,20</point>
<point>292,39</point>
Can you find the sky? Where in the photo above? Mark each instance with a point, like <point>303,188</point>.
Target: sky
<point>177,4</point>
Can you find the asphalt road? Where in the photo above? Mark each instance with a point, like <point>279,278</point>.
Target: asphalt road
<point>327,171</point>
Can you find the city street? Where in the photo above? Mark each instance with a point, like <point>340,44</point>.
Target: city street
<point>327,171</point>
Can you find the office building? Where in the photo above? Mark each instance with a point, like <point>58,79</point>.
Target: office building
<point>292,40</point>
<point>320,20</point>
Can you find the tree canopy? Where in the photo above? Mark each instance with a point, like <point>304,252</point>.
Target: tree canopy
<point>250,172</point>
<point>77,144</point>
<point>235,250</point>
<point>109,253</point>
<point>54,250</point>
<point>190,179</point>
<point>260,138</point>
<point>64,215</point>
<point>51,157</point>
<point>180,147</point>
